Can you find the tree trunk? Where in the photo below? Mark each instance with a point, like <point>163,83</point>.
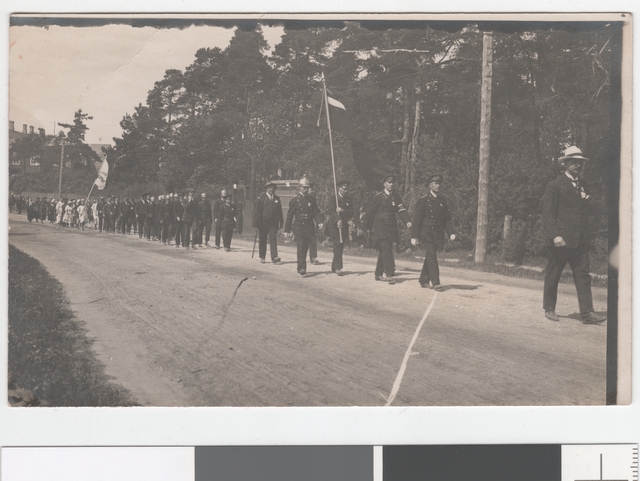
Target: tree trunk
<point>413,147</point>
<point>404,160</point>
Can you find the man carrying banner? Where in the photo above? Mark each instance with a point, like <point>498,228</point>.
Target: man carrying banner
<point>338,223</point>
<point>431,220</point>
<point>380,217</point>
<point>268,218</point>
<point>302,218</point>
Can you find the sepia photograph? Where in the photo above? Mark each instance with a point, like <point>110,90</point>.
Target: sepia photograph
<point>319,210</point>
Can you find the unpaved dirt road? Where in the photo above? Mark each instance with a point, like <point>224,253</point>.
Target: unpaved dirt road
<point>169,329</point>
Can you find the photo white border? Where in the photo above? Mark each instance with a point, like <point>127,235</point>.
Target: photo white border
<point>307,426</point>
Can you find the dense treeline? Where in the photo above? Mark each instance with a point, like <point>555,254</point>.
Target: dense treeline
<point>242,113</point>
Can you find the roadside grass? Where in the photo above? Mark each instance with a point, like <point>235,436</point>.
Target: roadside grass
<point>51,362</point>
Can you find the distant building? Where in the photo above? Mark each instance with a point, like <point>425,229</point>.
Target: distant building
<point>22,165</point>
<point>50,154</point>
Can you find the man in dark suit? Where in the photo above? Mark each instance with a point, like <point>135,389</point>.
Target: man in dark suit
<point>338,223</point>
<point>178,211</point>
<point>189,220</point>
<point>565,213</point>
<point>216,216</point>
<point>431,220</point>
<point>302,217</point>
<point>268,218</point>
<point>206,218</point>
<point>380,217</point>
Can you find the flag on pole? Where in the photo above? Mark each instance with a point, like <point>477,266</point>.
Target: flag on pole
<point>371,168</point>
<point>101,181</point>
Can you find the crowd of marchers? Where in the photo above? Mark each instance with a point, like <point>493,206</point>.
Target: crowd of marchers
<point>186,220</point>
<point>183,220</point>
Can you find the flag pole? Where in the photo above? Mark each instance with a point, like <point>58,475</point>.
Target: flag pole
<point>333,162</point>
<point>94,184</point>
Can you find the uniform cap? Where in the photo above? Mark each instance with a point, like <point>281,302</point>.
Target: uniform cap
<point>435,178</point>
<point>343,182</point>
<point>388,176</point>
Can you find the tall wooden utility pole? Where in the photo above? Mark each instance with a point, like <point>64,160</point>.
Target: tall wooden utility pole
<point>61,164</point>
<point>485,135</point>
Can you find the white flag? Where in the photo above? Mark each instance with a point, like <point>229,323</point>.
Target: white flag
<point>101,181</point>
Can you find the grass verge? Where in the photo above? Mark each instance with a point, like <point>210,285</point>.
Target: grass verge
<point>51,361</point>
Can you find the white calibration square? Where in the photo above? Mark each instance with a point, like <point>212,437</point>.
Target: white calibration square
<point>600,462</point>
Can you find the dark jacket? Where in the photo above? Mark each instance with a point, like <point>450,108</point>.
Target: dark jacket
<point>346,203</point>
<point>431,219</point>
<point>227,217</point>
<point>303,211</point>
<point>189,213</point>
<point>205,211</point>
<point>267,213</point>
<point>380,216</point>
<point>565,212</point>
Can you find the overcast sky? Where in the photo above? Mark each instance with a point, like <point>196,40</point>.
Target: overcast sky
<point>105,71</point>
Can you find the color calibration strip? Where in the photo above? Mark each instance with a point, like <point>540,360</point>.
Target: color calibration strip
<point>535,462</point>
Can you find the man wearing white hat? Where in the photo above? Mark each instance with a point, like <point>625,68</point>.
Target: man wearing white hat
<point>565,213</point>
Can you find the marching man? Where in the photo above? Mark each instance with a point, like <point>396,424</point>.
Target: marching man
<point>431,220</point>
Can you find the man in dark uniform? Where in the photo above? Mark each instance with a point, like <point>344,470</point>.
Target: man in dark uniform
<point>177,218</point>
<point>431,220</point>
<point>380,217</point>
<point>166,211</point>
<point>216,216</point>
<point>338,223</point>
<point>189,219</point>
<point>206,218</point>
<point>131,216</point>
<point>268,218</point>
<point>141,214</point>
<point>565,213</point>
<point>107,213</point>
<point>228,222</point>
<point>302,218</point>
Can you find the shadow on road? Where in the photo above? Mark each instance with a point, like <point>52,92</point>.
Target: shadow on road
<point>576,317</point>
<point>462,287</point>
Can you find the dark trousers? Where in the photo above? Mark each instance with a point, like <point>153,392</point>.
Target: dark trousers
<point>198,234</point>
<point>189,232</point>
<point>268,234</point>
<point>313,246</point>
<point>338,247</point>
<point>140,222</point>
<point>386,263</point>
<point>218,233</point>
<point>129,224</point>
<point>166,231</point>
<point>100,220</point>
<point>227,234</point>
<point>177,226</point>
<point>430,269</point>
<point>578,259</point>
<point>107,224</point>
<point>206,229</point>
<point>147,227</point>
<point>303,243</point>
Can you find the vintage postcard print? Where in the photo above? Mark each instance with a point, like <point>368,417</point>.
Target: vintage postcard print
<point>319,210</point>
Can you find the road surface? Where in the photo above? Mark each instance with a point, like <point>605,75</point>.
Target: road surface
<point>173,327</point>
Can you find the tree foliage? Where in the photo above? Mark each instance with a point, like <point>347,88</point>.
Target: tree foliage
<point>243,113</point>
